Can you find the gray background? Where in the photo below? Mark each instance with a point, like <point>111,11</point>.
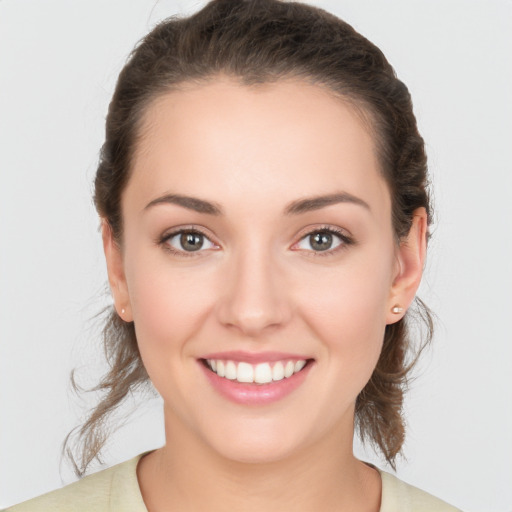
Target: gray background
<point>58,63</point>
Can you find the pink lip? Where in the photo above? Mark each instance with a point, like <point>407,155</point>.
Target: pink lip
<point>255,358</point>
<point>255,394</point>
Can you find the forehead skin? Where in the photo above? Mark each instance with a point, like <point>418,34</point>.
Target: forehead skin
<point>290,137</point>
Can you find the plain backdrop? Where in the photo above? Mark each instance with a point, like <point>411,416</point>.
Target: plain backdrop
<point>58,65</point>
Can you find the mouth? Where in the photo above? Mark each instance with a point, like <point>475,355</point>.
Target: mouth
<point>261,373</point>
<point>255,379</point>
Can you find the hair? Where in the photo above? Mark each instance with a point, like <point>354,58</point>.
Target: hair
<point>262,41</point>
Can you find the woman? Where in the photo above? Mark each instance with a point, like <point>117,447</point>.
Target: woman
<point>264,206</point>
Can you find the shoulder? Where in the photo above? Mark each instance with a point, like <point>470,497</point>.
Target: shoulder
<point>115,488</point>
<point>398,496</point>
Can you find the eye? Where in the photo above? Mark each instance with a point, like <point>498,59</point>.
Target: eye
<point>187,241</point>
<point>323,240</point>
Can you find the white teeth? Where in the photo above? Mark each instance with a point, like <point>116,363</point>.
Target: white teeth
<point>278,371</point>
<point>299,365</point>
<point>289,369</point>
<point>230,370</point>
<point>245,373</point>
<point>262,373</point>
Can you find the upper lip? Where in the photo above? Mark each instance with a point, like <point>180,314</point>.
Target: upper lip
<point>255,357</point>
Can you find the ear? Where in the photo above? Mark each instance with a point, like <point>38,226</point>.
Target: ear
<point>410,261</point>
<point>116,275</point>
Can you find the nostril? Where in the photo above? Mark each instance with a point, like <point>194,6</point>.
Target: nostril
<point>254,297</point>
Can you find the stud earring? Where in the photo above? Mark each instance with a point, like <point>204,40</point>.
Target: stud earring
<point>123,311</point>
<point>396,309</point>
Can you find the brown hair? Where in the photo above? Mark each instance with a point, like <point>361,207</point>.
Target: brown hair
<point>262,41</point>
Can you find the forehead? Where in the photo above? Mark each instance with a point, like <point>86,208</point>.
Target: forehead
<point>267,143</point>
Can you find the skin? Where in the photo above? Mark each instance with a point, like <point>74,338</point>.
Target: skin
<point>259,285</point>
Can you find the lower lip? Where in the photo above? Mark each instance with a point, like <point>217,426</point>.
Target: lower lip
<point>256,394</point>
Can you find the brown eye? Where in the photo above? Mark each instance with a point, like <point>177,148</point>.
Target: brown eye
<point>191,241</point>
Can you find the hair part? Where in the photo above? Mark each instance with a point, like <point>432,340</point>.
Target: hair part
<point>262,41</point>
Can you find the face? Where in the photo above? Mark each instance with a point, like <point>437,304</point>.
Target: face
<point>258,264</point>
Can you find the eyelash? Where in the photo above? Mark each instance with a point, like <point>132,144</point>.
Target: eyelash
<point>345,241</point>
<point>184,254</point>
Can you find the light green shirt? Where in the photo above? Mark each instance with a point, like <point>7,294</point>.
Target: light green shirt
<point>117,490</point>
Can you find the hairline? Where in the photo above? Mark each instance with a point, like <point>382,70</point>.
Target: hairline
<point>356,104</point>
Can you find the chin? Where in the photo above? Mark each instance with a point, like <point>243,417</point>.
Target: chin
<point>252,452</point>
<point>258,445</point>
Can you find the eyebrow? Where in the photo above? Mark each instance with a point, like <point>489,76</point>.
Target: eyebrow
<point>294,208</point>
<point>191,203</point>
<point>318,202</point>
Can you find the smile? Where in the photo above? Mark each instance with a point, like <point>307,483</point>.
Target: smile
<point>255,379</point>
<point>261,373</point>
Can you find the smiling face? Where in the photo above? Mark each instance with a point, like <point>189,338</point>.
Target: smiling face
<point>257,245</point>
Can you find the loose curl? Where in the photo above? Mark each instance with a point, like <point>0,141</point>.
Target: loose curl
<point>261,41</point>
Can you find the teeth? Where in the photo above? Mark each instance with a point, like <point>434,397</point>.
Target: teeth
<point>289,369</point>
<point>231,370</point>
<point>262,373</point>
<point>278,371</point>
<point>245,372</point>
<point>299,365</point>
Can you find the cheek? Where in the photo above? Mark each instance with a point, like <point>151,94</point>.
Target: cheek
<point>169,310</point>
<point>168,307</point>
<point>346,308</point>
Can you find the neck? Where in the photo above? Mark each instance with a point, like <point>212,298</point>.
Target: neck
<point>187,475</point>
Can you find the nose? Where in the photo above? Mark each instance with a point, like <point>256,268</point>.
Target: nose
<point>255,298</point>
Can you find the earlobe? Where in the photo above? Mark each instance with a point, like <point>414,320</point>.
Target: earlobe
<point>410,261</point>
<point>115,270</point>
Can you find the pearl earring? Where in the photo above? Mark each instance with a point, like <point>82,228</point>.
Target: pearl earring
<point>123,311</point>
<point>396,309</point>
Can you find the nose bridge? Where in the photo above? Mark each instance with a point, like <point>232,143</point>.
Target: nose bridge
<point>255,296</point>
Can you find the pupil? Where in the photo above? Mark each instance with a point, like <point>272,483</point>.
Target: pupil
<point>321,241</point>
<point>191,241</point>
